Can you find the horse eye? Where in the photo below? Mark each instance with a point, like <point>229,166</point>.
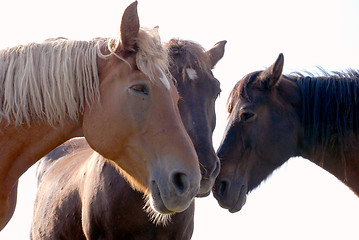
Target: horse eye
<point>246,116</point>
<point>140,88</point>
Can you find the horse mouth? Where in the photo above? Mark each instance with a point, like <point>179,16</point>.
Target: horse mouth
<point>157,201</point>
<point>241,200</point>
<point>230,199</point>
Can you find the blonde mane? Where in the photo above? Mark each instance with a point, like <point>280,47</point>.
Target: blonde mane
<point>54,80</point>
<point>151,54</point>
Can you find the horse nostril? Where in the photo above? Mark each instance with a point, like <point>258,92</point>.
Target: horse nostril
<point>181,182</point>
<point>222,187</point>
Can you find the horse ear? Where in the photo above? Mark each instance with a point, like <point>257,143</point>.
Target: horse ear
<point>216,53</point>
<point>130,26</point>
<point>272,74</point>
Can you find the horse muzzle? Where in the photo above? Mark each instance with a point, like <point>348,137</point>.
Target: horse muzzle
<point>230,196</point>
<point>174,194</point>
<point>209,175</point>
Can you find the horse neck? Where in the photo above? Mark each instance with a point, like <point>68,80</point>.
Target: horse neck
<point>21,147</point>
<point>330,126</point>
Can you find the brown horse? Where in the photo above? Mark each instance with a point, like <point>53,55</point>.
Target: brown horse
<point>274,117</point>
<point>112,91</point>
<point>80,196</point>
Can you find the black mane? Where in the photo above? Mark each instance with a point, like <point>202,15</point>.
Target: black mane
<point>330,107</point>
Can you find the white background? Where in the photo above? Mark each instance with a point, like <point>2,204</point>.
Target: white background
<point>300,200</point>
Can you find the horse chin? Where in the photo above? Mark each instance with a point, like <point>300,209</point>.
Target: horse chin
<point>205,194</point>
<point>156,200</point>
<point>206,188</point>
<point>155,216</point>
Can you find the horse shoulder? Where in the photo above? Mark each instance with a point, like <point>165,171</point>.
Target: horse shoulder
<point>59,190</point>
<point>109,204</point>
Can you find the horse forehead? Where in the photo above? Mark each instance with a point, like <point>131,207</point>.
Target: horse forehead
<point>192,74</point>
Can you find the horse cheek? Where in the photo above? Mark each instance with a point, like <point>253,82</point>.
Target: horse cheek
<point>104,128</point>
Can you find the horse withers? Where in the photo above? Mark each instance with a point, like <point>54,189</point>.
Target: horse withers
<point>112,91</point>
<point>274,117</point>
<point>80,195</point>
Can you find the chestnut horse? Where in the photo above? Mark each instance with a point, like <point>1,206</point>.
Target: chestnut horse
<point>112,91</point>
<point>80,196</point>
<point>274,117</point>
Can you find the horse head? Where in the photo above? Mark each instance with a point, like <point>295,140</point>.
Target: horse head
<point>192,66</point>
<point>136,122</point>
<point>262,133</point>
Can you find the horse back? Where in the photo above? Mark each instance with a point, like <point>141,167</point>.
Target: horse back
<point>63,150</point>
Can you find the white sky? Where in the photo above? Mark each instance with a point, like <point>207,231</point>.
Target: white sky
<point>300,201</point>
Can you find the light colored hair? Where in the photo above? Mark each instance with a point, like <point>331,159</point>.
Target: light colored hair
<point>54,80</point>
<point>151,53</point>
<point>153,215</point>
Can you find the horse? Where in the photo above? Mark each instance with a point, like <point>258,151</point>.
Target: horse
<point>112,91</point>
<point>274,117</point>
<point>68,176</point>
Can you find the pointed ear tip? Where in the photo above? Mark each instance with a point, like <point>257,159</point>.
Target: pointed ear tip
<point>221,43</point>
<point>281,56</point>
<point>133,6</point>
<point>280,60</point>
<point>130,9</point>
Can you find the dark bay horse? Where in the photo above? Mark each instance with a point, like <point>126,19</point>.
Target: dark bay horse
<point>115,93</point>
<point>80,197</point>
<point>274,117</point>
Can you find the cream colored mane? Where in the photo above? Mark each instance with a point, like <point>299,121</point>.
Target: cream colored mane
<point>151,54</point>
<point>55,79</point>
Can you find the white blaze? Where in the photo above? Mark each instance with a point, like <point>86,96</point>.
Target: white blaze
<point>192,74</point>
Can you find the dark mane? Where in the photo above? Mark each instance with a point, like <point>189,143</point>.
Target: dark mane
<point>188,54</point>
<point>330,107</point>
<point>349,73</point>
<point>330,104</point>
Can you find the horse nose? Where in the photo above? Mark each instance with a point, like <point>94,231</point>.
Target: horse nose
<point>180,182</point>
<point>221,187</point>
<point>215,171</point>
